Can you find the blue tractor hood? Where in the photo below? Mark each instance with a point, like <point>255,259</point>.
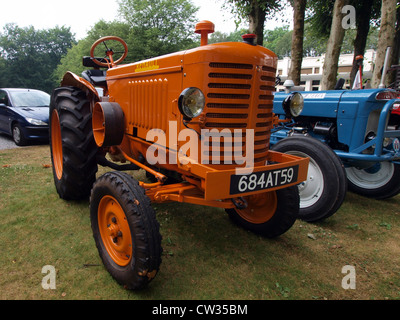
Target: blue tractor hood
<point>326,103</point>
<point>316,103</point>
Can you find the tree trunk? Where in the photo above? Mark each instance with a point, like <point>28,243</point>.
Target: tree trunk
<point>386,38</point>
<point>360,42</point>
<point>299,7</point>
<point>257,21</point>
<point>334,47</point>
<point>395,50</point>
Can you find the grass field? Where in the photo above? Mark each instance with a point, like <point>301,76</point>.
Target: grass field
<point>205,255</point>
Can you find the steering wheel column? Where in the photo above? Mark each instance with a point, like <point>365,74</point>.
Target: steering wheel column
<point>109,52</point>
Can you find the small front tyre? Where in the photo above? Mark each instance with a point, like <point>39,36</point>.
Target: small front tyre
<point>125,230</point>
<point>268,214</point>
<point>324,191</point>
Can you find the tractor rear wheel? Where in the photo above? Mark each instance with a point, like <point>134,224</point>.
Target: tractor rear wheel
<point>381,181</point>
<point>324,191</point>
<point>125,230</point>
<point>269,214</point>
<point>72,146</point>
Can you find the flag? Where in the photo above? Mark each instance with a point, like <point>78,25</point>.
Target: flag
<point>357,82</point>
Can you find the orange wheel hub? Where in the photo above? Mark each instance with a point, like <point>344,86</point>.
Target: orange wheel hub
<point>114,230</point>
<point>261,207</point>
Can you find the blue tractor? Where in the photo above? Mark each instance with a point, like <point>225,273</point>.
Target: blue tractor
<point>361,127</point>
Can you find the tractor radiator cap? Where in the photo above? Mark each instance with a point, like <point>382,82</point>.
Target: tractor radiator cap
<point>249,38</point>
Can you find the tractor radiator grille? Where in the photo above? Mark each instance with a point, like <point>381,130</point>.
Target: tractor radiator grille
<point>239,96</point>
<point>149,108</point>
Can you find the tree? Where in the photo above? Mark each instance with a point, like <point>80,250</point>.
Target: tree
<point>278,41</point>
<point>150,28</point>
<point>30,56</point>
<point>235,36</point>
<point>356,40</point>
<point>365,11</point>
<point>319,15</point>
<point>386,38</point>
<point>72,61</point>
<point>313,45</point>
<point>334,46</point>
<point>299,7</point>
<point>255,11</point>
<point>396,49</point>
<point>159,27</point>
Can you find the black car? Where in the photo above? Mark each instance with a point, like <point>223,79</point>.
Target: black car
<point>24,115</point>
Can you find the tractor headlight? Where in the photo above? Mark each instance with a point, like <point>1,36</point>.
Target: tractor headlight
<point>293,104</point>
<point>191,102</point>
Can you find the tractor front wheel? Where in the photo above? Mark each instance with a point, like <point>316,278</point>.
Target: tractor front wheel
<point>324,191</point>
<point>269,214</point>
<point>125,230</point>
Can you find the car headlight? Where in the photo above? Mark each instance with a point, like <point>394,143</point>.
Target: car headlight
<point>191,102</point>
<point>293,104</point>
<point>36,122</point>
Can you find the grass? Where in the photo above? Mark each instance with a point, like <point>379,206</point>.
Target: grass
<point>205,255</point>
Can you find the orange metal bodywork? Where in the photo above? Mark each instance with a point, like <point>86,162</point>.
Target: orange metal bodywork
<point>237,80</point>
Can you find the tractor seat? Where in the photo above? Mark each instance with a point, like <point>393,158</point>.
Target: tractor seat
<point>95,76</point>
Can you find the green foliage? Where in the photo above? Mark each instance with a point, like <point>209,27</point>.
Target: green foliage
<point>39,58</point>
<point>29,56</point>
<point>319,14</point>
<point>241,8</point>
<point>158,27</point>
<point>235,36</point>
<point>279,41</point>
<point>150,28</point>
<point>72,61</point>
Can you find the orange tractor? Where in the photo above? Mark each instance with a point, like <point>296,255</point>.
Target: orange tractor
<point>197,121</point>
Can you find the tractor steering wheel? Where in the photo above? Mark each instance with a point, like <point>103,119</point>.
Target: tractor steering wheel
<point>123,51</point>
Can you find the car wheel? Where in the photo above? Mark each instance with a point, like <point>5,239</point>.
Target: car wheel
<point>18,135</point>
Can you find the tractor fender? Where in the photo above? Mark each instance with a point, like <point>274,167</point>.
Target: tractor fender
<point>71,79</point>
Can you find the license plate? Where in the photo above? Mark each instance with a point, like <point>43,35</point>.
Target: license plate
<point>263,180</point>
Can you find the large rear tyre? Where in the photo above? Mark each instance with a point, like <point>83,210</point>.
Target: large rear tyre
<point>72,146</point>
<point>324,191</point>
<point>382,181</point>
<point>269,214</point>
<point>125,230</point>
